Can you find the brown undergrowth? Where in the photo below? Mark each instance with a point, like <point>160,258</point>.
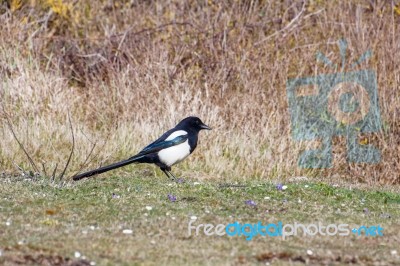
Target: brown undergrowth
<point>128,70</point>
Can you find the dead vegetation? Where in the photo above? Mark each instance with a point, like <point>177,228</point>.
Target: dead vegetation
<point>127,70</point>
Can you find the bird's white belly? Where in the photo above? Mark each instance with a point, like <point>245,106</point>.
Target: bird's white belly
<point>175,154</point>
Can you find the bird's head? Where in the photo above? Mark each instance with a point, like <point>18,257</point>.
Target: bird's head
<point>193,123</point>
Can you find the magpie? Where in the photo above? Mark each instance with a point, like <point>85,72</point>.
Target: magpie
<point>171,148</point>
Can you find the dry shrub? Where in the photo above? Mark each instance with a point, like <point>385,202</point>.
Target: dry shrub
<point>128,70</point>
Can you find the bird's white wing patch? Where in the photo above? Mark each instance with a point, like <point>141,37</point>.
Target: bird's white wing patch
<point>174,154</point>
<point>176,134</point>
<point>177,153</point>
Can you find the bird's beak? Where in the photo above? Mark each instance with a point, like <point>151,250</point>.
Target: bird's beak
<point>204,126</point>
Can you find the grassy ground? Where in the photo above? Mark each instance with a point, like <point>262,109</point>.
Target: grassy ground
<point>44,223</point>
<point>95,81</point>
<point>126,71</point>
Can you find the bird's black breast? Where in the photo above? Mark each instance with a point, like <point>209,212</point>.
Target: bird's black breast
<point>192,140</point>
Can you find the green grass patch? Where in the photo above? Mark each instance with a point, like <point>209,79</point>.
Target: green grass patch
<point>52,223</point>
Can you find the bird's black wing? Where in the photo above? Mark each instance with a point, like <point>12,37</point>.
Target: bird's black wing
<point>162,138</point>
<point>160,145</point>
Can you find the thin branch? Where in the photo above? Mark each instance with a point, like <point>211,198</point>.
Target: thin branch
<point>53,176</point>
<point>90,153</point>
<point>87,161</point>
<point>88,156</point>
<point>285,28</point>
<point>72,149</point>
<point>119,46</point>
<point>44,170</point>
<point>19,143</point>
<point>22,170</point>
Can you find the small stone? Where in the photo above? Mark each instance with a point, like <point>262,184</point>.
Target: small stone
<point>127,231</point>
<point>77,254</point>
<point>193,217</point>
<point>309,252</point>
<point>149,208</point>
<point>267,198</point>
<point>393,252</point>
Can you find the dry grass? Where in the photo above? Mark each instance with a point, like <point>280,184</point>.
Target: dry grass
<point>127,71</point>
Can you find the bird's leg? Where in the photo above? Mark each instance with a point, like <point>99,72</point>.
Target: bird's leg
<point>166,173</point>
<point>168,169</point>
<point>174,177</point>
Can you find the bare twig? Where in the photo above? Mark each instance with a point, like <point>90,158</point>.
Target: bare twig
<point>90,153</point>
<point>20,169</point>
<point>44,170</point>
<point>102,58</point>
<point>19,143</point>
<point>87,161</point>
<point>53,176</point>
<point>88,156</point>
<point>285,28</point>
<point>119,46</point>
<point>72,149</point>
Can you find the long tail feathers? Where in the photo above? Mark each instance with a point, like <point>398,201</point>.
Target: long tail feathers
<point>107,168</point>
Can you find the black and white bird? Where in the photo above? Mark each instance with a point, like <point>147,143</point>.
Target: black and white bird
<point>171,148</point>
